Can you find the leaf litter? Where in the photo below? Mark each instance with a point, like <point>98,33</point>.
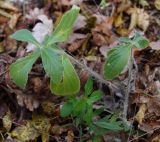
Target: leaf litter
<point>95,32</point>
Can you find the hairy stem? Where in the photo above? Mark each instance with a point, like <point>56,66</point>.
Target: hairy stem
<point>126,101</point>
<point>94,74</point>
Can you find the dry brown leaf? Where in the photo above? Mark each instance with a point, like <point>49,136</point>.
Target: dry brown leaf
<point>119,20</point>
<point>48,107</point>
<point>139,18</point>
<point>26,100</point>
<point>155,45</point>
<point>80,22</point>
<point>156,139</point>
<point>70,136</point>
<point>75,45</point>
<point>57,130</point>
<point>140,114</point>
<point>37,84</point>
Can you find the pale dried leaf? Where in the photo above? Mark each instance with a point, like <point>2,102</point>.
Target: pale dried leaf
<point>156,139</point>
<point>80,22</point>
<point>33,14</point>
<point>13,20</point>
<point>40,31</point>
<point>157,4</point>
<point>8,5</point>
<point>139,18</point>
<point>155,45</point>
<point>26,100</point>
<point>70,136</point>
<point>25,133</point>
<point>141,113</point>
<point>7,121</point>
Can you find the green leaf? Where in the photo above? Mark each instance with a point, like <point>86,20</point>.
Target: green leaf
<point>116,61</point>
<point>95,96</point>
<point>125,40</point>
<point>64,28</point>
<point>25,35</point>
<point>66,109</point>
<point>70,82</point>
<point>79,107</point>
<point>89,115</point>
<point>88,87</point>
<point>114,126</point>
<point>140,41</point>
<point>52,63</point>
<point>20,69</point>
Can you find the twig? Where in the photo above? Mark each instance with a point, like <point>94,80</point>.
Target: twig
<point>94,74</point>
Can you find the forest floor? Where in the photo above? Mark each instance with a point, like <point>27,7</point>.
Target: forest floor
<point>33,114</point>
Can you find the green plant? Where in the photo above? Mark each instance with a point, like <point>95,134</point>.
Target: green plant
<point>63,78</point>
<point>82,112</point>
<point>82,108</point>
<point>118,57</point>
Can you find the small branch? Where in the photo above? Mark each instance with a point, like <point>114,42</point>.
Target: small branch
<point>94,74</point>
<point>126,101</point>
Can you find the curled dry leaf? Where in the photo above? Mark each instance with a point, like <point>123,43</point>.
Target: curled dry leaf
<point>25,133</point>
<point>76,36</point>
<point>80,22</point>
<point>8,5</point>
<point>156,138</point>
<point>41,30</point>
<point>119,20</point>
<point>13,20</point>
<point>70,136</point>
<point>57,130</point>
<point>157,4</point>
<point>70,2</point>
<point>139,18</point>
<point>37,84</point>
<point>7,121</point>
<point>33,14</point>
<point>26,100</point>
<point>140,114</point>
<point>155,45</point>
<point>75,45</point>
<point>40,125</point>
<point>48,107</point>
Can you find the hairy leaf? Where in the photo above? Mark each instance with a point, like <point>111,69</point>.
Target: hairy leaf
<point>20,69</point>
<point>64,28</point>
<point>25,35</point>
<point>140,41</point>
<point>66,109</point>
<point>117,59</point>
<point>52,63</point>
<point>115,126</point>
<point>88,87</point>
<point>95,96</point>
<point>70,82</point>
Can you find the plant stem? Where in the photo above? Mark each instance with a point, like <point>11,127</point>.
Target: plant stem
<point>126,101</point>
<point>94,74</point>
